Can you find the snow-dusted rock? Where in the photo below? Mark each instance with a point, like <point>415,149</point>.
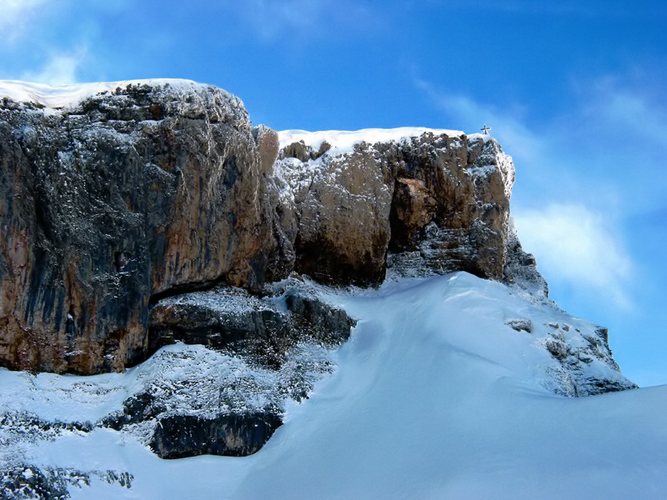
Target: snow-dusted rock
<point>262,329</point>
<point>436,200</point>
<point>110,199</point>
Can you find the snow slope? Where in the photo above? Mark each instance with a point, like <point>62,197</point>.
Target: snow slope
<point>434,397</point>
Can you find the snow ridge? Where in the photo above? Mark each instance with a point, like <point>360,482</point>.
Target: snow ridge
<point>343,141</point>
<point>66,96</point>
<point>445,390</point>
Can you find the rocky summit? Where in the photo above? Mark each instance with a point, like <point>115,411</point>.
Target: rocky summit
<point>132,192</point>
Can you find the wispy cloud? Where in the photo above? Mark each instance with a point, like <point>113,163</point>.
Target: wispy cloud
<point>560,8</point>
<point>578,247</point>
<point>59,69</point>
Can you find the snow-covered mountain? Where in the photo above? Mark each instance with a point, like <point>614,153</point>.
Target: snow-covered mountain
<point>298,314</point>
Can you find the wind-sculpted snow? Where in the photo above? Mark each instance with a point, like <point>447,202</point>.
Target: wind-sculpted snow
<point>449,387</point>
<point>68,96</point>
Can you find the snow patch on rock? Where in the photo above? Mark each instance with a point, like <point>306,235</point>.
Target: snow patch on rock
<point>65,96</point>
<point>343,141</point>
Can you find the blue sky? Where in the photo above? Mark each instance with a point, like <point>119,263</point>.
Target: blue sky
<point>575,91</point>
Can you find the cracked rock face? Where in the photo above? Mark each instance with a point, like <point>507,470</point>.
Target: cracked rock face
<point>432,203</point>
<point>122,197</point>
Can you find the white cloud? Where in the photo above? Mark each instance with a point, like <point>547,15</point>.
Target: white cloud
<point>626,107</point>
<point>579,247</point>
<point>586,174</point>
<point>60,69</point>
<point>560,8</point>
<point>15,16</point>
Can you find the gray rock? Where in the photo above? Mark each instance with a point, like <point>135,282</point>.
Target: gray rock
<point>587,366</point>
<point>520,325</point>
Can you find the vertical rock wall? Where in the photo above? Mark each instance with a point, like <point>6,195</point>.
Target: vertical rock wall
<point>154,189</point>
<point>433,202</point>
<point>126,196</point>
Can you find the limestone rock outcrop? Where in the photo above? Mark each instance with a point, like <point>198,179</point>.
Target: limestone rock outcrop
<point>341,207</point>
<point>128,194</point>
<point>437,201</point>
<point>263,329</point>
<point>150,189</point>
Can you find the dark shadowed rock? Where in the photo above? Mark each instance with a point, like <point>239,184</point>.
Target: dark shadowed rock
<point>23,481</point>
<point>232,435</point>
<point>232,320</point>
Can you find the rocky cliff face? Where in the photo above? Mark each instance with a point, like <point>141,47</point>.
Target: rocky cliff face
<point>155,188</point>
<point>430,201</point>
<point>152,213</point>
<point>107,204</point>
<point>145,190</point>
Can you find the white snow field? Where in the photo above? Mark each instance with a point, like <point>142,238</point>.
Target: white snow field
<point>433,397</point>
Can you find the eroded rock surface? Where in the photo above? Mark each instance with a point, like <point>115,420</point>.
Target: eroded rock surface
<point>181,436</point>
<point>437,202</point>
<point>129,194</point>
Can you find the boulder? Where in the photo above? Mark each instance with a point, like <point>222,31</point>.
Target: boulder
<point>181,436</point>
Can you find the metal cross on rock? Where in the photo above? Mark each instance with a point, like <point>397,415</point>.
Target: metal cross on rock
<point>485,129</point>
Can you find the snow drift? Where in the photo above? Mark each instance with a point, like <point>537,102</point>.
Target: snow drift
<point>436,395</point>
